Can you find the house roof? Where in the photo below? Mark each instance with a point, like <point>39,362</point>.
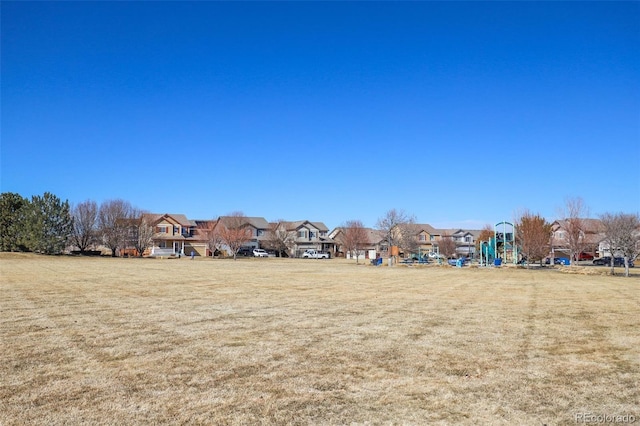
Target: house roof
<point>593,229</point>
<point>589,225</point>
<point>171,217</point>
<point>447,231</point>
<point>425,227</point>
<point>374,236</point>
<point>256,222</point>
<point>294,225</point>
<point>176,237</point>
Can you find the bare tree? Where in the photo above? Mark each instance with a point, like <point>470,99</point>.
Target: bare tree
<point>211,235</point>
<point>622,233</point>
<point>534,236</point>
<point>113,217</point>
<point>447,245</point>
<point>234,231</point>
<point>409,238</point>
<point>396,225</point>
<point>85,224</point>
<point>279,238</point>
<point>143,232</point>
<point>354,237</point>
<point>214,242</point>
<point>574,213</point>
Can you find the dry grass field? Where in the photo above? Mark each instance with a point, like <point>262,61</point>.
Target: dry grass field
<point>277,341</point>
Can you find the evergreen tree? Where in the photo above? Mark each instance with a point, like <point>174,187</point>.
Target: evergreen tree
<point>49,224</point>
<point>12,221</point>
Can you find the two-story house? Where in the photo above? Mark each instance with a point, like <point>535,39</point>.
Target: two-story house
<point>374,245</point>
<point>590,237</point>
<point>256,229</point>
<point>174,235</point>
<point>310,236</point>
<point>429,239</point>
<point>466,242</point>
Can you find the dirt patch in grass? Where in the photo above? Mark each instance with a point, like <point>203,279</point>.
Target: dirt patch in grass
<point>280,341</point>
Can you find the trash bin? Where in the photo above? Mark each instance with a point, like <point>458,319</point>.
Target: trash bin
<point>497,262</point>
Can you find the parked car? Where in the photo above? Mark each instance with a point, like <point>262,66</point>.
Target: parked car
<point>245,251</point>
<point>260,253</point>
<point>606,261</point>
<point>458,262</point>
<point>583,256</point>
<point>558,261</point>
<point>315,254</point>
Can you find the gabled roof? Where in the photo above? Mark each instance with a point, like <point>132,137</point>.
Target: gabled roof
<point>296,224</point>
<point>374,236</point>
<point>180,219</point>
<point>256,222</point>
<point>445,231</point>
<point>594,230</point>
<point>589,225</point>
<point>425,227</point>
<point>465,232</point>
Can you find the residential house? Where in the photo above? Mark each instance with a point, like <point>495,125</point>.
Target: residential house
<point>428,239</point>
<point>257,228</point>
<point>374,247</point>
<point>466,242</point>
<point>175,235</point>
<point>591,238</point>
<point>310,236</point>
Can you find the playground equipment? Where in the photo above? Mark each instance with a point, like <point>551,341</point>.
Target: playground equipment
<point>501,248</point>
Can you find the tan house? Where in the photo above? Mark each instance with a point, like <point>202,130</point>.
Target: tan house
<point>591,237</point>
<point>428,239</point>
<point>256,228</point>
<point>375,246</point>
<point>175,235</point>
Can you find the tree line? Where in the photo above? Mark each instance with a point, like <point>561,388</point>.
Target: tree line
<point>46,224</point>
<point>534,234</point>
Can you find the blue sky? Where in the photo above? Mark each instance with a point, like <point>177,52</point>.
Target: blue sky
<point>459,113</point>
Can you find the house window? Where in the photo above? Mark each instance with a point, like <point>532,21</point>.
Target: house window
<point>312,234</point>
<point>422,237</point>
<point>260,232</point>
<point>302,234</point>
<point>162,229</point>
<point>467,239</point>
<point>323,233</point>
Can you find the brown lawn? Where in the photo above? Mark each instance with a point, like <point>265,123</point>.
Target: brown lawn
<point>275,341</point>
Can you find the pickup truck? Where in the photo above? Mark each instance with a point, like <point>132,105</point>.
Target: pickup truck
<point>315,254</point>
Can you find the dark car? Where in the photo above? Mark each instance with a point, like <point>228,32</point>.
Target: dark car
<point>245,251</point>
<point>606,261</point>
